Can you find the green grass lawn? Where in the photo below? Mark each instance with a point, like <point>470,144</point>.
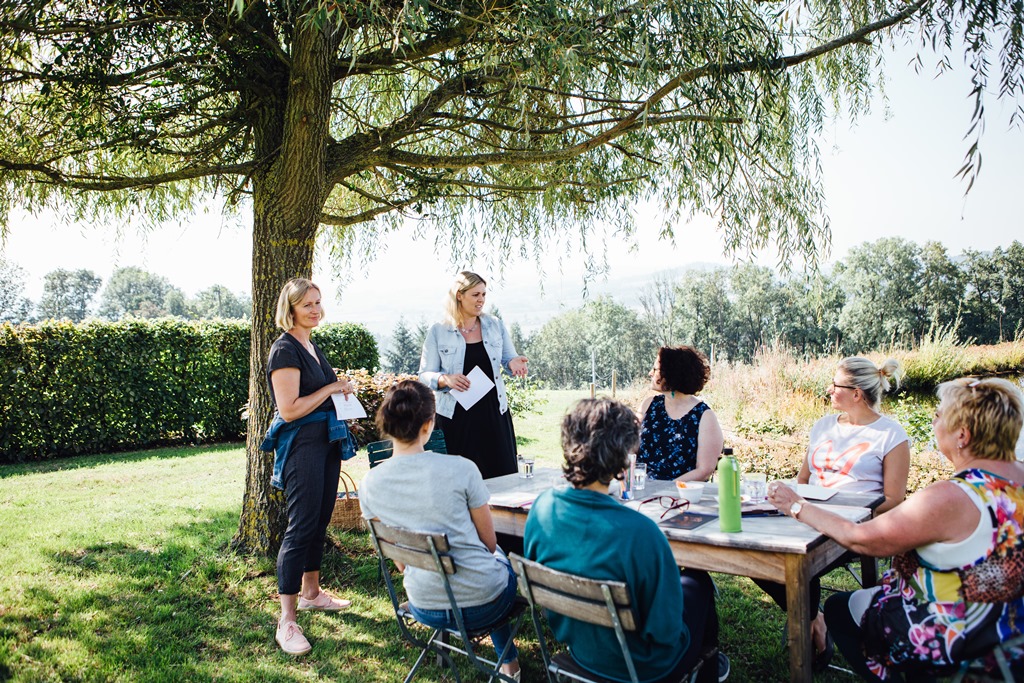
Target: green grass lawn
<point>117,568</point>
<point>540,434</point>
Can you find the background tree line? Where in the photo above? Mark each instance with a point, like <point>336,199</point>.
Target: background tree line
<point>130,293</point>
<point>891,292</point>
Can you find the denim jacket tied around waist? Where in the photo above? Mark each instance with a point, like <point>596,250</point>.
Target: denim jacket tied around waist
<point>281,434</point>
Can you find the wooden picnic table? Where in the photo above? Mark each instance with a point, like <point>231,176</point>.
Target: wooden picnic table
<point>777,548</point>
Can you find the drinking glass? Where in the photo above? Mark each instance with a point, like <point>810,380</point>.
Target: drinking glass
<point>640,476</point>
<point>526,466</point>
<point>755,485</point>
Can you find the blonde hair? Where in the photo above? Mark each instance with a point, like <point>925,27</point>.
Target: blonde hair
<point>464,282</point>
<point>871,379</point>
<point>292,294</point>
<point>990,409</point>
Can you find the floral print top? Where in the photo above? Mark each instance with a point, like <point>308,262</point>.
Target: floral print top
<point>923,618</point>
<point>669,447</point>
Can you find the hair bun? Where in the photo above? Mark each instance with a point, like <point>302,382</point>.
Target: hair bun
<point>889,369</point>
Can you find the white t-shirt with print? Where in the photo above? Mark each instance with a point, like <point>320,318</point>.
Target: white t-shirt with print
<point>850,456</point>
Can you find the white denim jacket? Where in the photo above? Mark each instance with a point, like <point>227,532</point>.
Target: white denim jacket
<point>444,353</point>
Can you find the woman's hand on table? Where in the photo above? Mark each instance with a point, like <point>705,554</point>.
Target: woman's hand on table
<point>782,496</point>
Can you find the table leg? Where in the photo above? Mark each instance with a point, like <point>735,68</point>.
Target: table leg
<point>798,596</point>
<point>868,571</point>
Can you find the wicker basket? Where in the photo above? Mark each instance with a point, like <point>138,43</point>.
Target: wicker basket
<point>347,513</point>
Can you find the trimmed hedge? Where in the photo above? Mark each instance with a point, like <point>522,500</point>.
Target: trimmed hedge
<point>68,389</point>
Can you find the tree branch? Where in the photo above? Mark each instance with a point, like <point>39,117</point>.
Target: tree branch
<point>634,118</point>
<point>100,183</point>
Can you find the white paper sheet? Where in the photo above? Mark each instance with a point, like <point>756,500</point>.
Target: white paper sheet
<point>350,409</point>
<point>815,492</point>
<point>479,384</point>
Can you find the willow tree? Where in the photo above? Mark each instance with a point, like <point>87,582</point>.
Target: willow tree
<point>504,123</point>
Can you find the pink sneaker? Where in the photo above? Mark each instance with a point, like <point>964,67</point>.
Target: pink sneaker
<point>290,638</point>
<point>324,602</point>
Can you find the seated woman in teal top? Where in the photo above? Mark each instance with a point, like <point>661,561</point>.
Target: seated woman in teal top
<point>610,541</point>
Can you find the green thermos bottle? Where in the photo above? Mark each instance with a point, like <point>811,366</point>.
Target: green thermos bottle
<point>729,494</point>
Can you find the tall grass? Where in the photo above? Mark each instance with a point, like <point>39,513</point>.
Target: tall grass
<point>768,407</point>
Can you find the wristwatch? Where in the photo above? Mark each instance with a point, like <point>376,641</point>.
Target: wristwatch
<point>795,509</point>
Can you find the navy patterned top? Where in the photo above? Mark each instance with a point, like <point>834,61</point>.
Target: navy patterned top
<point>669,447</point>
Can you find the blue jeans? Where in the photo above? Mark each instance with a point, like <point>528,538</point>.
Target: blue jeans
<point>479,617</point>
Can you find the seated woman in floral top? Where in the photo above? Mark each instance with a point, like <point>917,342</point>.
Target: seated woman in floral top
<point>680,437</point>
<point>956,587</point>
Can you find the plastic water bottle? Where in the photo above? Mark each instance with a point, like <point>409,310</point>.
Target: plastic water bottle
<point>626,489</point>
<point>729,494</point>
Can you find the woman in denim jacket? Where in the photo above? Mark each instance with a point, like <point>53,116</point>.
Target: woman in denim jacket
<point>466,339</point>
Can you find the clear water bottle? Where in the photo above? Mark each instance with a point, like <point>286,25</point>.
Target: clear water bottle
<point>626,488</point>
<point>729,519</point>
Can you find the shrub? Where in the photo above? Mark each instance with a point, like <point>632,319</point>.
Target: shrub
<point>522,395</point>
<point>370,389</point>
<point>767,407</point>
<point>522,398</point>
<point>96,387</point>
<point>349,345</point>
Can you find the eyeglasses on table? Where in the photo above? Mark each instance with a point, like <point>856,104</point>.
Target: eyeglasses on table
<point>667,502</point>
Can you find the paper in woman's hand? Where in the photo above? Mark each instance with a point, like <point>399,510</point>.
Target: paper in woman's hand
<point>479,385</point>
<point>348,407</point>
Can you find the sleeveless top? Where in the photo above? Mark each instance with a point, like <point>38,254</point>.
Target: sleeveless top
<point>925,618</point>
<point>669,447</point>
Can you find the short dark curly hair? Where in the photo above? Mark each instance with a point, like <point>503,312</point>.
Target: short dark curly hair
<point>597,436</point>
<point>405,409</point>
<point>683,369</point>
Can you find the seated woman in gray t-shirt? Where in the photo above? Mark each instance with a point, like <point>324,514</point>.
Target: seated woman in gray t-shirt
<point>424,491</point>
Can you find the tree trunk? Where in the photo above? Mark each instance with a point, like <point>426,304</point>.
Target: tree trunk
<point>288,198</point>
<point>274,262</point>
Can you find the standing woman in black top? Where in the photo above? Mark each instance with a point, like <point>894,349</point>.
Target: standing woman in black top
<point>469,338</point>
<point>308,463</point>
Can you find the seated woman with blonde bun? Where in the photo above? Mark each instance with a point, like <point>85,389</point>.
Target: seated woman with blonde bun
<point>956,586</point>
<point>857,449</point>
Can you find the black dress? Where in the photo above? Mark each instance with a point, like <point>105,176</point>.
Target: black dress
<point>482,434</point>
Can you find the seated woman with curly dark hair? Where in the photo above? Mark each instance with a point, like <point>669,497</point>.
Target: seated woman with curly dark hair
<point>680,437</point>
<point>610,541</point>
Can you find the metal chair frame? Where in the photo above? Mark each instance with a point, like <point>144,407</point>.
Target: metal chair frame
<point>600,602</point>
<point>971,669</point>
<point>379,451</point>
<point>431,552</point>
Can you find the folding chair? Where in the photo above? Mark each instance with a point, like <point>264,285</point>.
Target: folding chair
<point>604,603</point>
<point>979,669</point>
<point>379,451</point>
<point>431,552</point>
<point>436,442</point>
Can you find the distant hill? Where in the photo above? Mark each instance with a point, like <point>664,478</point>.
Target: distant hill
<point>521,303</point>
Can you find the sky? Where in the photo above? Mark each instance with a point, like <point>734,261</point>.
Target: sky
<point>889,174</point>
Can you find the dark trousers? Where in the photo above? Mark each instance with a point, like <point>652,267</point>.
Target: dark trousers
<point>777,591</point>
<point>701,618</point>
<point>310,488</point>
